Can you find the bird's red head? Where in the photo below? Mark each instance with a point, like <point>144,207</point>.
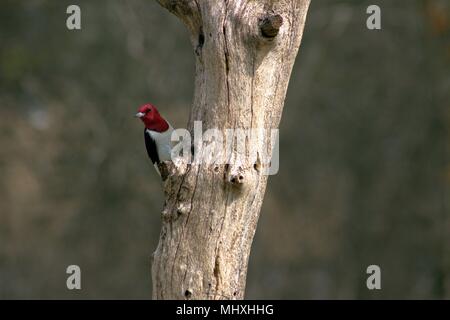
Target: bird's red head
<point>151,118</point>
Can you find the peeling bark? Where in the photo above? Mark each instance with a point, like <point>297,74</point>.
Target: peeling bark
<point>244,52</point>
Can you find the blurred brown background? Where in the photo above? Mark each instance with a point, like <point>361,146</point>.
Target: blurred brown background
<point>364,169</point>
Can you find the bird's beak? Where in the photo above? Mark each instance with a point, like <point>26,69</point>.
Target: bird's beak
<point>139,115</point>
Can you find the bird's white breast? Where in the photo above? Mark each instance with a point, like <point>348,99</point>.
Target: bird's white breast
<point>163,143</point>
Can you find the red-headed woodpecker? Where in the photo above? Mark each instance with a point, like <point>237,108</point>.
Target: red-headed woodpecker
<point>157,133</point>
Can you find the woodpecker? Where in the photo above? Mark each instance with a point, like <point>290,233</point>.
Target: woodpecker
<point>157,134</point>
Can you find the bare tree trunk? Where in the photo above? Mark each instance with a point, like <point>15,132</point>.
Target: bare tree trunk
<point>245,51</point>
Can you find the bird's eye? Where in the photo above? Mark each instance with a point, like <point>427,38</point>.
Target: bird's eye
<point>148,110</point>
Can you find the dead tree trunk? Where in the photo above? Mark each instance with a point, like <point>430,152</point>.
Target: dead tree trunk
<point>245,51</point>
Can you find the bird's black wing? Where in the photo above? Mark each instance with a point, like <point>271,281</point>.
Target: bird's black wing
<point>150,145</point>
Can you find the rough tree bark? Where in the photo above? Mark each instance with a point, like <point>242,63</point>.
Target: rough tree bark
<point>244,51</point>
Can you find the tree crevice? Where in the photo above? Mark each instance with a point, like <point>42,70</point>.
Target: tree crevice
<point>226,58</point>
